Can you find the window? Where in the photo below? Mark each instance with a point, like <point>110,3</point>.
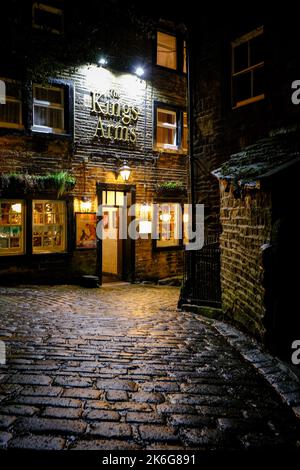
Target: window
<point>248,68</point>
<point>11,227</point>
<point>11,111</point>
<point>184,142</point>
<point>48,16</point>
<point>48,109</point>
<point>171,130</point>
<point>184,57</point>
<point>166,55</point>
<point>166,128</point>
<point>169,221</point>
<point>48,226</point>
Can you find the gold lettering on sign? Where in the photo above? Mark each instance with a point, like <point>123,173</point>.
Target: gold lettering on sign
<point>115,119</point>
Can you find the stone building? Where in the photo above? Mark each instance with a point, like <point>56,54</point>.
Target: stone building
<point>104,123</point>
<point>243,69</point>
<point>259,253</point>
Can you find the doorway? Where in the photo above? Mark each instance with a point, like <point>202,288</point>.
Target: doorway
<point>115,254</point>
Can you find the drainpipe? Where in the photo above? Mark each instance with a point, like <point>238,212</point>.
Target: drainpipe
<point>190,89</point>
<point>190,275</point>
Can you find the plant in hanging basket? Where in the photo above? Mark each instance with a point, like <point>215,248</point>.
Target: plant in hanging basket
<point>61,182</point>
<point>171,187</point>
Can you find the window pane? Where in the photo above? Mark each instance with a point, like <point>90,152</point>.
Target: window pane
<point>241,87</point>
<point>166,50</point>
<point>258,81</point>
<point>49,226</point>
<point>166,136</point>
<point>110,198</point>
<point>51,95</point>
<point>166,117</point>
<point>50,20</point>
<point>11,227</point>
<point>184,142</point>
<point>168,225</point>
<point>184,57</point>
<point>240,57</point>
<point>257,50</point>
<point>119,198</point>
<point>11,112</point>
<point>48,117</point>
<point>13,89</point>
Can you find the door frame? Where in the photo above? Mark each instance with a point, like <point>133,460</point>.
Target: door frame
<point>128,262</point>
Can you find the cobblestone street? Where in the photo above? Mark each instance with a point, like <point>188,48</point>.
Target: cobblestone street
<point>121,368</point>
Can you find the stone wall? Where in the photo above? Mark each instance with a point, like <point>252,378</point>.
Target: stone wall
<point>247,224</point>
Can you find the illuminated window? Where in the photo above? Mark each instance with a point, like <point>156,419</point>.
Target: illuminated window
<point>48,16</point>
<point>48,109</point>
<point>48,226</point>
<point>11,111</point>
<point>11,227</point>
<point>184,57</point>
<point>166,133</point>
<point>171,128</point>
<point>166,50</point>
<point>169,222</point>
<point>248,68</point>
<point>184,141</point>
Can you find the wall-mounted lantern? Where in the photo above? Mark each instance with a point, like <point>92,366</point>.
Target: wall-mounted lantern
<point>125,171</point>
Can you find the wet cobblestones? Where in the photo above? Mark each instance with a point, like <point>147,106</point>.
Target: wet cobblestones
<point>120,368</point>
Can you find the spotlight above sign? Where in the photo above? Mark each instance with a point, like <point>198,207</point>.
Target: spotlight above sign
<point>139,71</point>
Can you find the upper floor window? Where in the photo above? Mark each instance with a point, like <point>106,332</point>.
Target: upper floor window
<point>171,52</point>
<point>184,65</point>
<point>48,109</point>
<point>166,50</point>
<point>171,131</point>
<point>48,15</point>
<point>11,110</point>
<point>166,133</point>
<point>248,68</point>
<point>184,132</point>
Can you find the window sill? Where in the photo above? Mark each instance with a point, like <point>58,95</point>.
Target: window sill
<point>173,71</point>
<point>168,248</point>
<point>51,135</point>
<point>170,150</point>
<point>255,99</point>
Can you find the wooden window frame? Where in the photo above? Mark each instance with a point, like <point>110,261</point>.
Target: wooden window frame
<point>64,224</point>
<point>49,105</point>
<point>22,250</point>
<point>12,99</point>
<point>155,242</point>
<point>50,9</point>
<point>178,110</point>
<point>246,38</point>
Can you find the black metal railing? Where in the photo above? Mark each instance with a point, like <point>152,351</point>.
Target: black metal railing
<point>202,284</point>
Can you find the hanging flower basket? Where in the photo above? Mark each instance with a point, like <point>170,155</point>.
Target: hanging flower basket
<point>62,182</point>
<point>171,188</point>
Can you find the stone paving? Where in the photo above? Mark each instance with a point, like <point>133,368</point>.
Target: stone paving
<point>121,368</point>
